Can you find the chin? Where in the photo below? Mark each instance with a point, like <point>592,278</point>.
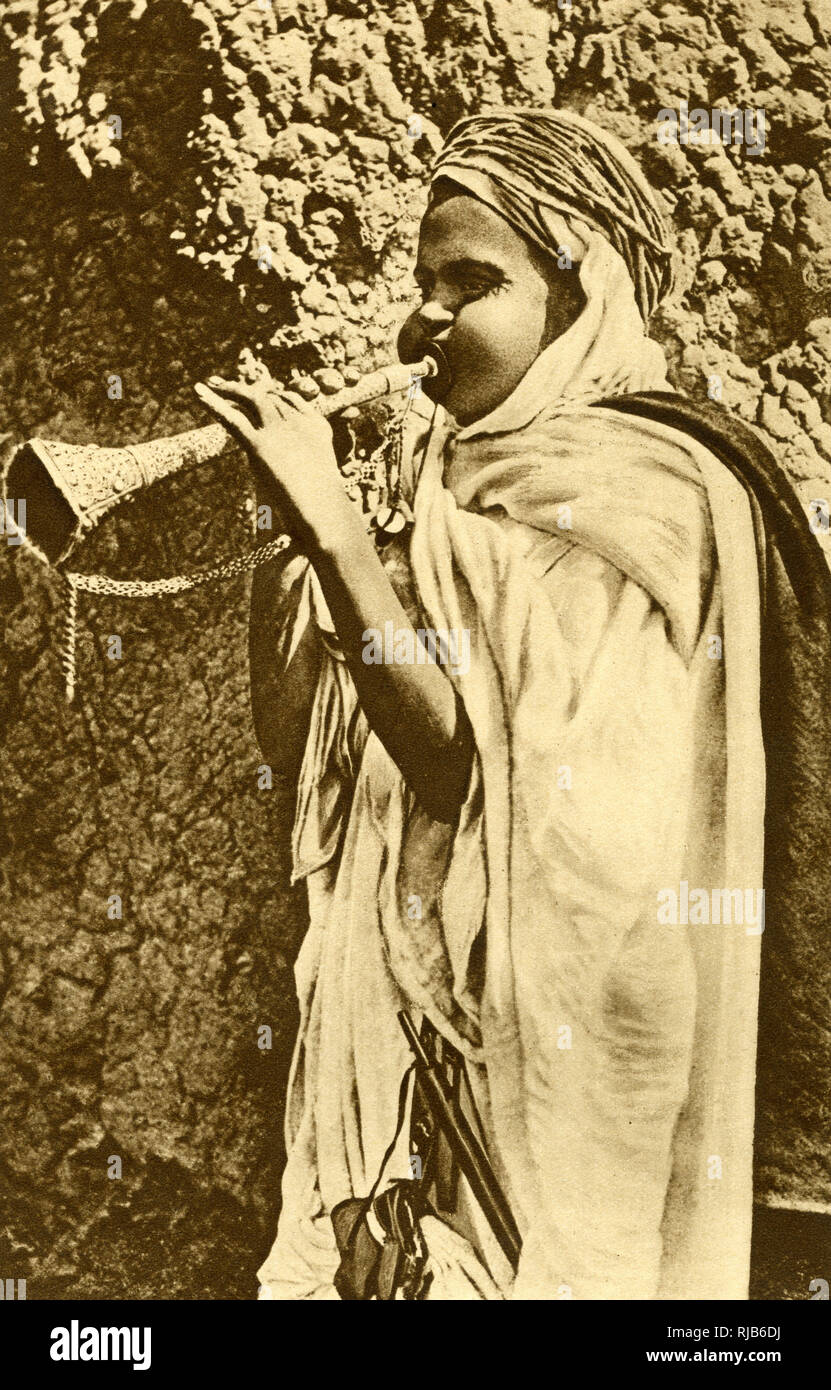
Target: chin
<point>464,409</point>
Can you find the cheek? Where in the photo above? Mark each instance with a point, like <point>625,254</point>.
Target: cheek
<point>505,330</point>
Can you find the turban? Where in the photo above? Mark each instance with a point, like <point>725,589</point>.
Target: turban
<point>528,163</point>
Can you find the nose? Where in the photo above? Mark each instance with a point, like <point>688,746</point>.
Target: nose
<point>433,317</point>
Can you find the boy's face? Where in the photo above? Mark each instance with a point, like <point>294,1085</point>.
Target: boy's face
<point>491,301</point>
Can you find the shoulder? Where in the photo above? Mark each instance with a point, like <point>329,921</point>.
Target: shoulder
<point>736,443</point>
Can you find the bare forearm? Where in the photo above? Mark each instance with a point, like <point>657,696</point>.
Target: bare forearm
<point>412,708</point>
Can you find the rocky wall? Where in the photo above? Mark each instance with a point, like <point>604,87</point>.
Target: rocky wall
<point>186,181</point>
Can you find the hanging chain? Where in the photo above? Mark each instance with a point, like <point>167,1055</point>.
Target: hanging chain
<point>148,588</point>
<point>390,451</point>
<point>178,583</point>
<point>68,642</point>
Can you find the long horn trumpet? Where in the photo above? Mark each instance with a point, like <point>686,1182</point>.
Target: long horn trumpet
<point>68,488</point>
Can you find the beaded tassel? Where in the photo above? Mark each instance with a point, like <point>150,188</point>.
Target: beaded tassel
<point>389,520</point>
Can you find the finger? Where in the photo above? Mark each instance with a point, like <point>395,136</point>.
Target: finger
<point>299,402</point>
<point>217,382</point>
<point>237,422</point>
<point>252,399</point>
<point>250,392</point>
<point>293,409</point>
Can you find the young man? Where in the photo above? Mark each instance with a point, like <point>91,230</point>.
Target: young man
<point>499,850</point>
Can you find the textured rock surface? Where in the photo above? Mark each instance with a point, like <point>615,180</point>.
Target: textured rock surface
<point>246,126</point>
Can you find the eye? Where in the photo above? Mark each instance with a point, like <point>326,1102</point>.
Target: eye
<point>464,285</point>
<point>477,286</point>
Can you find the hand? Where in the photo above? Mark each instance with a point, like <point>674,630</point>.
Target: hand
<point>289,443</point>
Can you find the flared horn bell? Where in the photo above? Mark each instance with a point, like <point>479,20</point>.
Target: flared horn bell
<point>68,488</point>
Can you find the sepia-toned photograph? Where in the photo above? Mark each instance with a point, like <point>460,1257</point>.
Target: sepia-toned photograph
<point>415,576</point>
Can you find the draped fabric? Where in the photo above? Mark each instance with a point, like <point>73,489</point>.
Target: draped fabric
<point>594,557</point>
<point>794,1042</point>
<point>539,163</point>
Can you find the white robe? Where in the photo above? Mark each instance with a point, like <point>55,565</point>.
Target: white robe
<point>611,1056</point>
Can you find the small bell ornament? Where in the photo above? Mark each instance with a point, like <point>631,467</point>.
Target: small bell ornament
<point>387,523</point>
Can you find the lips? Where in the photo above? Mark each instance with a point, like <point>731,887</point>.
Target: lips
<point>437,386</point>
<point>413,344</point>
